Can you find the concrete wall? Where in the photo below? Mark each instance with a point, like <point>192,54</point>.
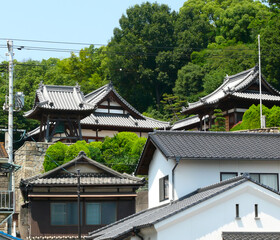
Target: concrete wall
<point>30,157</point>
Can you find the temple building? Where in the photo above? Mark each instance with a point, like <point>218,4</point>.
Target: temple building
<point>66,114</point>
<point>236,94</point>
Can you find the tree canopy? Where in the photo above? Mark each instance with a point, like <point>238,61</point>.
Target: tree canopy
<point>157,54</point>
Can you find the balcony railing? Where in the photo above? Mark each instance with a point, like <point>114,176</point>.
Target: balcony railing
<point>6,200</point>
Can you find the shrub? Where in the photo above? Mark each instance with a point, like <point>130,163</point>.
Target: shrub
<point>74,149</point>
<point>55,155</point>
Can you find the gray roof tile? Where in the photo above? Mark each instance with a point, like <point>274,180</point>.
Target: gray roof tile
<point>251,235</point>
<point>217,145</point>
<point>233,84</point>
<point>153,215</point>
<point>123,120</point>
<point>107,177</point>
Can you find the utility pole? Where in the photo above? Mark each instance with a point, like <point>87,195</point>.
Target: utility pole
<point>79,209</point>
<point>262,118</point>
<point>10,126</point>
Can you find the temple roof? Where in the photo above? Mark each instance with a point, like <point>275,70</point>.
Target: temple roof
<point>51,98</point>
<point>237,86</point>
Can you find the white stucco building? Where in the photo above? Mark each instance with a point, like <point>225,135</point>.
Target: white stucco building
<point>206,185</point>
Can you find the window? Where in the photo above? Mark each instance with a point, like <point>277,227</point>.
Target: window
<point>268,179</point>
<point>64,213</point>
<point>227,175</point>
<point>100,213</point>
<point>163,188</point>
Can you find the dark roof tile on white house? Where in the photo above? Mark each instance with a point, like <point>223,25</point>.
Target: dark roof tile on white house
<point>149,217</point>
<point>210,145</point>
<point>251,235</point>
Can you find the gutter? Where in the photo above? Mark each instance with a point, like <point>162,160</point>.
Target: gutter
<point>136,232</point>
<point>173,171</point>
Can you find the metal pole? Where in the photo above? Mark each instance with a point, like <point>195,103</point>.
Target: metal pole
<point>260,83</point>
<point>78,193</point>
<point>10,125</point>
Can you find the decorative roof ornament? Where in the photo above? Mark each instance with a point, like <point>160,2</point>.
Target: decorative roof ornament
<point>77,86</point>
<point>41,86</point>
<point>82,153</point>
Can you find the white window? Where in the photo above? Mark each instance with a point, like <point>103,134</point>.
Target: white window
<point>268,179</point>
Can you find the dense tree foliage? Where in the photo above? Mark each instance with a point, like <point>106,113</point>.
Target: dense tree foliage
<point>251,118</point>
<point>120,152</point>
<point>159,59</point>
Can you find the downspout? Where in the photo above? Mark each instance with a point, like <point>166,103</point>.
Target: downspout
<point>173,180</point>
<point>136,232</point>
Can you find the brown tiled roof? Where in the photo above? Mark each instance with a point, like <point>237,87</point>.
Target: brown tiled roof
<point>3,152</point>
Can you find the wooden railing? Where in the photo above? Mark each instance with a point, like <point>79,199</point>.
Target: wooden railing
<point>6,200</point>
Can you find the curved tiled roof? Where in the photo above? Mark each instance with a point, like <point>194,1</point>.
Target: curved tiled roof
<point>232,85</point>
<point>59,98</point>
<point>123,120</point>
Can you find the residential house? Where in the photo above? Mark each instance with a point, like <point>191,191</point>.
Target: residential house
<point>206,185</point>
<point>236,94</point>
<point>106,196</point>
<point>67,115</point>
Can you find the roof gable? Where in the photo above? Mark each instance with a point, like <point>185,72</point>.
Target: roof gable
<point>210,145</point>
<point>87,167</point>
<point>149,217</point>
<point>108,92</point>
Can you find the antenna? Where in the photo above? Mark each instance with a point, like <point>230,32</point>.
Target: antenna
<point>262,118</point>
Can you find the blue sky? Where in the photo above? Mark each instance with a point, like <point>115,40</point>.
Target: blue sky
<point>82,21</point>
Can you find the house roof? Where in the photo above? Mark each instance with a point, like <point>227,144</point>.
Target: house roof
<point>189,121</point>
<point>100,94</point>
<point>3,152</point>
<point>59,98</point>
<point>124,120</point>
<point>250,235</point>
<point>149,217</point>
<point>133,119</point>
<point>60,176</point>
<point>234,86</point>
<point>210,145</point>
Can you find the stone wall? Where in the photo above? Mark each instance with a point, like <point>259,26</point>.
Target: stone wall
<point>30,157</point>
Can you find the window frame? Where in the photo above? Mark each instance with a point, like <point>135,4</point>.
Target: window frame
<point>221,174</point>
<point>164,188</point>
<point>100,203</point>
<point>65,224</point>
<point>259,174</point>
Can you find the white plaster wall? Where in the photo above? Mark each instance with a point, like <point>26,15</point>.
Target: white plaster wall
<point>193,174</point>
<point>104,133</point>
<point>209,219</point>
<point>159,167</point>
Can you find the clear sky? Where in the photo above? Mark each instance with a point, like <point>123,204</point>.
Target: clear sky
<point>79,21</point>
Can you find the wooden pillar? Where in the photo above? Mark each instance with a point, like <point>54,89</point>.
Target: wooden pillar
<point>200,122</point>
<point>80,130</point>
<point>48,129</point>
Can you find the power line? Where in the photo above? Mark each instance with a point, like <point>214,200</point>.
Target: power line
<point>53,42</point>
